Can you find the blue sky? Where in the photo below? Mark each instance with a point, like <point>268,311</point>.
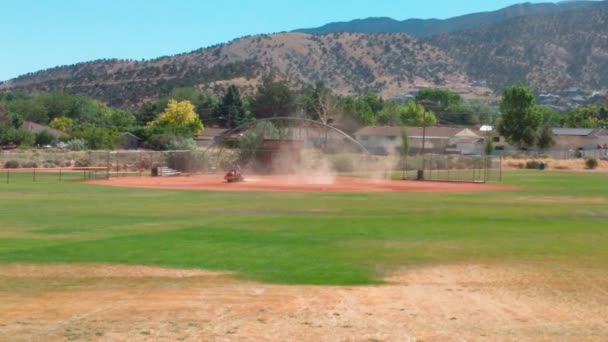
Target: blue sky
<point>38,34</point>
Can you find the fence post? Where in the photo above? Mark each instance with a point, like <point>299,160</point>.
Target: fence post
<point>108,165</point>
<point>500,168</point>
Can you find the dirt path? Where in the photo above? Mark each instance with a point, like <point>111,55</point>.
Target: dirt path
<point>444,303</point>
<point>297,184</point>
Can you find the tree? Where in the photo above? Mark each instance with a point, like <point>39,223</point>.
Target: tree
<point>545,138</point>
<point>374,101</point>
<point>489,149</point>
<point>273,98</point>
<point>121,119</point>
<point>178,117</point>
<point>4,118</point>
<point>29,110</point>
<point>45,138</point>
<point>485,114</point>
<point>324,104</point>
<point>392,114</point>
<point>447,105</point>
<point>519,120</point>
<point>148,112</point>
<point>62,123</point>
<point>16,136</point>
<point>413,114</point>
<point>404,150</point>
<point>439,98</point>
<point>549,117</point>
<point>231,113</point>
<point>587,117</point>
<point>97,138</point>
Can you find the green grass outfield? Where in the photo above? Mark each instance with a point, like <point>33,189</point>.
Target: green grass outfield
<point>307,238</point>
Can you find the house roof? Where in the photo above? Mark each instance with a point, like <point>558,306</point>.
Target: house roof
<point>601,132</point>
<point>431,132</point>
<point>211,132</point>
<point>581,132</point>
<point>37,128</point>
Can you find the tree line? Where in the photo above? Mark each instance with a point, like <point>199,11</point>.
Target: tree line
<point>171,122</point>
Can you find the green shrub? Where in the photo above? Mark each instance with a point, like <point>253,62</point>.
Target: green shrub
<point>342,164</point>
<point>533,165</point>
<point>11,164</point>
<point>170,142</point>
<point>45,138</point>
<point>77,145</point>
<point>82,163</point>
<point>591,163</point>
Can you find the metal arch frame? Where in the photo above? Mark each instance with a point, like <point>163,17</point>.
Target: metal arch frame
<point>248,125</point>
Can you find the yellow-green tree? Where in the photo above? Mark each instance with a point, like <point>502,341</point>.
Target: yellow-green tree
<point>179,117</point>
<point>62,123</point>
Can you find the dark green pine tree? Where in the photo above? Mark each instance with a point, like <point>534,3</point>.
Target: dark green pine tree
<point>230,113</point>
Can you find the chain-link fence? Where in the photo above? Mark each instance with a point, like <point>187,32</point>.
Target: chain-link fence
<point>66,165</point>
<point>560,154</point>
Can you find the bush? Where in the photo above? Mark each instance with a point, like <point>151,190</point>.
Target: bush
<point>533,165</point>
<point>29,165</point>
<point>170,142</point>
<point>45,138</point>
<point>591,163</point>
<point>77,145</point>
<point>16,136</point>
<point>343,164</point>
<point>98,138</point>
<point>82,163</point>
<point>11,164</point>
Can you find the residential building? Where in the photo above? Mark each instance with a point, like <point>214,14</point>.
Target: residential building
<point>384,140</point>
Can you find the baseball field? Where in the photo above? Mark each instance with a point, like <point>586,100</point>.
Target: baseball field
<point>82,261</point>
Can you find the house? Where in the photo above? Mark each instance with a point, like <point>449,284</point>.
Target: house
<point>37,128</point>
<point>130,141</point>
<point>384,140</point>
<point>489,132</point>
<point>209,136</point>
<point>580,138</point>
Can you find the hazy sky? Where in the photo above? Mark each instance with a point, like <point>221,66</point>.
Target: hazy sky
<point>38,34</point>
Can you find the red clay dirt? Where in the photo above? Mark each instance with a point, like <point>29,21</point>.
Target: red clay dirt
<point>298,184</point>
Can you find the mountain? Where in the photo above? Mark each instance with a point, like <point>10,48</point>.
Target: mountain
<point>350,63</point>
<point>424,28</point>
<point>551,52</point>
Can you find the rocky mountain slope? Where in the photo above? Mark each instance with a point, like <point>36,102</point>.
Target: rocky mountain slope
<point>350,63</point>
<point>551,52</point>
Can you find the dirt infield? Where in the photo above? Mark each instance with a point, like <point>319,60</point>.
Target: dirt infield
<point>438,303</point>
<point>298,184</point>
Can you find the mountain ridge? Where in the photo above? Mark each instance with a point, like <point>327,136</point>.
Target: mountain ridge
<point>424,28</point>
<point>549,51</point>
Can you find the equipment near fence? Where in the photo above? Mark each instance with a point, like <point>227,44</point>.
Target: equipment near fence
<point>163,171</point>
